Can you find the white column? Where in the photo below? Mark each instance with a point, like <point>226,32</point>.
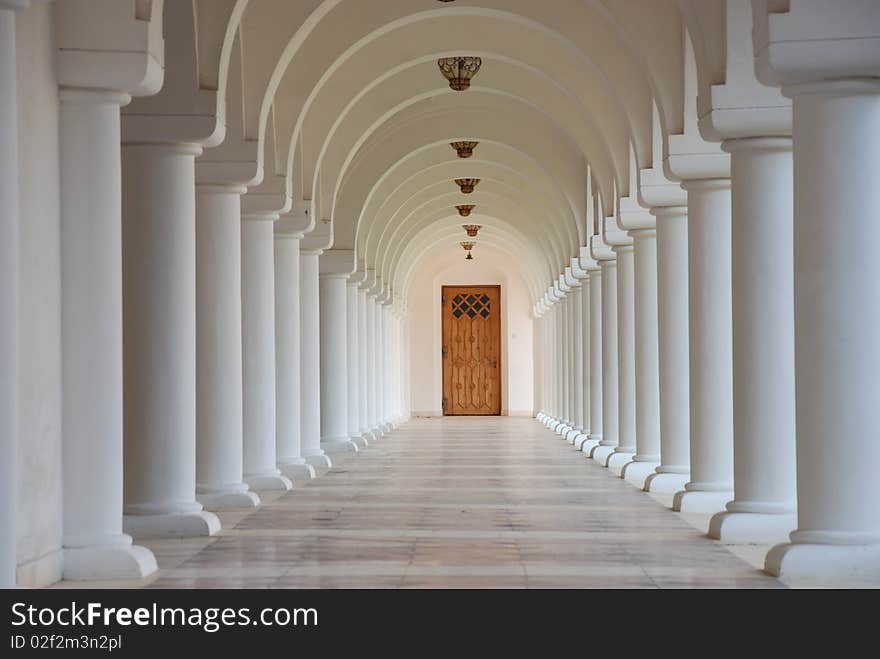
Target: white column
<point>384,351</point>
<point>310,360</point>
<point>564,366</point>
<point>764,506</point>
<point>647,386</point>
<point>392,360</point>
<point>334,364</point>
<point>597,404</point>
<point>672,317</point>
<point>711,348</point>
<point>837,311</point>
<point>559,361</point>
<point>364,350</point>
<point>159,322</point>
<point>219,429</point>
<point>610,390</point>
<point>540,363</point>
<point>577,363</point>
<point>91,266</point>
<point>288,445</point>
<point>353,363</point>
<point>258,352</point>
<point>626,359</point>
<point>8,293</point>
<point>372,378</point>
<point>376,367</point>
<point>586,364</point>
<point>549,364</point>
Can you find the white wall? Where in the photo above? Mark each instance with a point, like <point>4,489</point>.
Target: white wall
<point>39,404</point>
<point>446,266</point>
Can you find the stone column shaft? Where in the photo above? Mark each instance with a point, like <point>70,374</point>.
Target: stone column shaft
<point>219,414</point>
<point>672,314</point>
<point>610,390</point>
<point>310,360</point>
<point>837,309</point>
<point>159,321</point>
<point>711,347</point>
<point>764,505</point>
<point>334,364</point>
<point>288,392</point>
<point>647,384</point>
<point>626,359</point>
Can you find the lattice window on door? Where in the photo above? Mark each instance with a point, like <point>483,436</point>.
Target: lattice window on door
<point>471,306</point>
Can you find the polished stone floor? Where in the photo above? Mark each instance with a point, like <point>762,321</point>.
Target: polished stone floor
<point>458,502</point>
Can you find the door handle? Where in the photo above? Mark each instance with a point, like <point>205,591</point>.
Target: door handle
<point>494,363</point>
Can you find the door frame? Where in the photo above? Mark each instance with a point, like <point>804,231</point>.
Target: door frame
<point>501,345</point>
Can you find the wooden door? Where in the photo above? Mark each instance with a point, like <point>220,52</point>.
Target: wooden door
<point>471,350</point>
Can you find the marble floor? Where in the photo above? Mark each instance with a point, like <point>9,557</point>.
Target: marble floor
<point>458,502</point>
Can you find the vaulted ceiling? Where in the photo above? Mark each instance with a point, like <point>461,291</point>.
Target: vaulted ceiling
<point>338,109</point>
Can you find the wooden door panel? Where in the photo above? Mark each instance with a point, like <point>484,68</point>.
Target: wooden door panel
<point>471,350</point>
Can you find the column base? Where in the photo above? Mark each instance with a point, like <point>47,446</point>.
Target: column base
<point>637,472</point>
<point>297,471</point>
<point>590,444</point>
<point>541,416</point>
<point>601,454</point>
<point>368,437</point>
<point>554,424</point>
<point>232,498</point>
<point>319,460</point>
<point>666,482</point>
<point>701,501</point>
<point>572,435</point>
<point>332,446</point>
<point>619,459</point>
<point>578,441</point>
<point>268,482</point>
<point>359,441</point>
<point>107,562</point>
<point>387,426</point>
<point>750,528</point>
<point>378,432</point>
<point>563,430</point>
<point>826,564</point>
<point>172,525</point>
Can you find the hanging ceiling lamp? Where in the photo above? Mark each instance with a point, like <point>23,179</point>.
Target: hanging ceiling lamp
<point>472,229</point>
<point>464,149</point>
<point>465,209</point>
<point>468,246</point>
<point>459,71</point>
<point>467,185</point>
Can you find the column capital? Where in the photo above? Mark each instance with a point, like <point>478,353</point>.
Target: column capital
<point>108,47</point>
<point>183,110</point>
<point>337,263</point>
<point>220,188</point>
<point>259,217</point>
<point>562,286</point>
<point>669,211</point>
<point>291,227</point>
<point>586,260</point>
<point>733,103</point>
<point>783,144</point>
<point>600,251</point>
<point>577,271</point>
<point>816,41</point>
<point>707,184</point>
<point>570,280</point>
